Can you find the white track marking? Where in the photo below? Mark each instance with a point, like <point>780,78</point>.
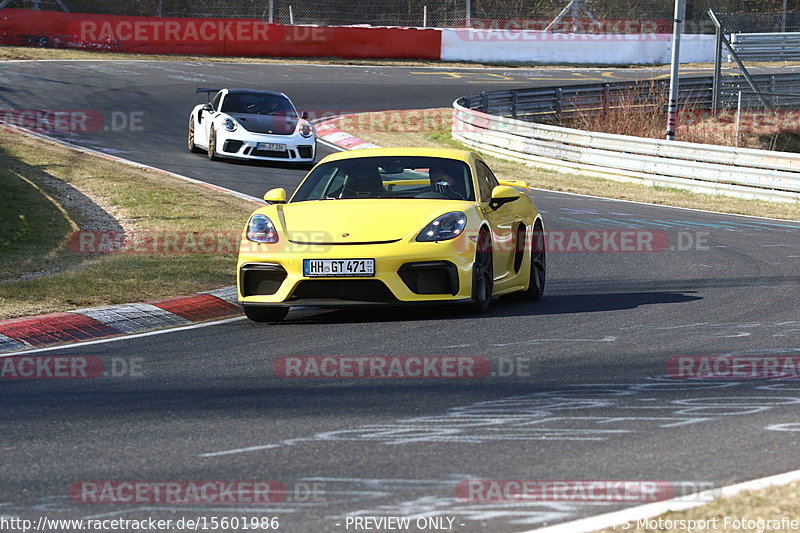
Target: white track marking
<point>652,510</point>
<point>563,415</point>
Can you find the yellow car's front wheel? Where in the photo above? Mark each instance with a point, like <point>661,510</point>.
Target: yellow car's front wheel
<point>538,264</point>
<point>482,275</point>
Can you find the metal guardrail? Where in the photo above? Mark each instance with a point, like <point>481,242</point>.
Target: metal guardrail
<point>766,46</point>
<point>490,122</point>
<point>544,104</point>
<point>564,102</point>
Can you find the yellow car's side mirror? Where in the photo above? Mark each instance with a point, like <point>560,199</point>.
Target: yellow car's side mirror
<point>503,194</point>
<point>275,196</point>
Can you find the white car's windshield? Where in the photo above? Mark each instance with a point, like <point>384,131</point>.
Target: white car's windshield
<point>257,104</point>
<point>388,177</point>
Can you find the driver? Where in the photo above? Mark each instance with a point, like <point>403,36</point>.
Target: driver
<point>443,182</point>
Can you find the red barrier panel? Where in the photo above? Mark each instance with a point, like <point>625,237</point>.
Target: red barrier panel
<point>219,37</point>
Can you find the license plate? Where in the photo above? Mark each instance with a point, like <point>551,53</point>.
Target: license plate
<point>271,147</point>
<point>338,268</point>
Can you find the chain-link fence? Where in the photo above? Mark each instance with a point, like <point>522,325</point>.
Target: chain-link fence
<point>583,16</point>
<point>755,103</point>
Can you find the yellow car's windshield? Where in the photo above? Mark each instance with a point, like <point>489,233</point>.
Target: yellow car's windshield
<point>388,177</point>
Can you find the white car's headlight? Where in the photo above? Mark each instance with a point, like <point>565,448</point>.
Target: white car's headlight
<point>448,226</point>
<point>261,229</point>
<point>306,130</point>
<point>229,124</point>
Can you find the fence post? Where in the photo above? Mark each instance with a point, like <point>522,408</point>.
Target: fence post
<point>672,113</point>
<point>738,117</point>
<point>715,87</point>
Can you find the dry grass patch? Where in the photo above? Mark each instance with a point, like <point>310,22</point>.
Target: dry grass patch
<point>774,503</point>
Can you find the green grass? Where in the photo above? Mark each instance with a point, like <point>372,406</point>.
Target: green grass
<point>143,202</point>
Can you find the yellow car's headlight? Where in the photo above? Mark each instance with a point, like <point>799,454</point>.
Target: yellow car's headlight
<point>448,226</point>
<point>261,229</point>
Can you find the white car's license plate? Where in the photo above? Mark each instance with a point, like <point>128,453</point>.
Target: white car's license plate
<point>338,268</point>
<point>271,147</point>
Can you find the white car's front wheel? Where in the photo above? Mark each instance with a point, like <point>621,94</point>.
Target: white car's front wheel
<point>212,145</point>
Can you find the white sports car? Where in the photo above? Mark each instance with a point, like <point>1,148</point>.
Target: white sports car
<point>245,124</point>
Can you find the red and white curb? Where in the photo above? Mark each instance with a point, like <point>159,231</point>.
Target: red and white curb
<point>328,131</point>
<point>101,322</point>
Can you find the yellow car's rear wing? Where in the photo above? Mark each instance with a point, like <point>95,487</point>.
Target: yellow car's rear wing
<point>514,183</point>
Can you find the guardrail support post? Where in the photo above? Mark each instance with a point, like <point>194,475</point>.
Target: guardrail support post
<point>559,103</point>
<point>514,98</point>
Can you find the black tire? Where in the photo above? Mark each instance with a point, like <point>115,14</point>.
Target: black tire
<point>482,276</point>
<point>538,271</point>
<point>265,314</point>
<point>212,145</point>
<point>190,138</point>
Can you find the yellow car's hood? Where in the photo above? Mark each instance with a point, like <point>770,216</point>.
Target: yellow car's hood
<point>362,220</point>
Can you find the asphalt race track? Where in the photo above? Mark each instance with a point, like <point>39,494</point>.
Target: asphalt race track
<point>580,387</point>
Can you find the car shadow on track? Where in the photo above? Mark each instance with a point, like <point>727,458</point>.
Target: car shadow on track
<point>285,165</point>
<point>501,307</point>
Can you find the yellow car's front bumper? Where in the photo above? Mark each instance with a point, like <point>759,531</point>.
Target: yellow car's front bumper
<point>405,271</point>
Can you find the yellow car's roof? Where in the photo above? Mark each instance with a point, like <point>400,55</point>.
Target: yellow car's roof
<point>445,153</point>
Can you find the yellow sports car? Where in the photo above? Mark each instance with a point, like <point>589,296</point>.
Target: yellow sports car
<point>388,226</point>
